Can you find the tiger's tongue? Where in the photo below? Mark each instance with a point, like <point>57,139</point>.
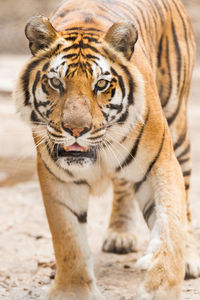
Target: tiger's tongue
<point>75,147</point>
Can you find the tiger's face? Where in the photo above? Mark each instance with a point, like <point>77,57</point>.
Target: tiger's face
<point>78,88</point>
<point>74,97</point>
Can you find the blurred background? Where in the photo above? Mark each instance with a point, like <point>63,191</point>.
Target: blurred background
<point>14,15</point>
<point>26,254</point>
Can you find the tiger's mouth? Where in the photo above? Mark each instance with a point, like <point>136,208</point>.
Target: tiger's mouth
<point>75,148</point>
<point>75,152</point>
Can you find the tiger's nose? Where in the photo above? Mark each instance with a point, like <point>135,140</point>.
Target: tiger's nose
<point>76,132</point>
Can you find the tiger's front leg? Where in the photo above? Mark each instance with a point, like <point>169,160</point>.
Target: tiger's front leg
<point>120,237</point>
<point>66,209</point>
<point>164,261</point>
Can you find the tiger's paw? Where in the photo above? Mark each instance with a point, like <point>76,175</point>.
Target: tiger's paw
<point>75,293</point>
<point>159,294</point>
<point>162,279</point>
<point>119,242</point>
<point>192,264</point>
<point>192,259</point>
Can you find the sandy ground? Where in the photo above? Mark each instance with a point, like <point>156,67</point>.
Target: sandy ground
<point>26,255</point>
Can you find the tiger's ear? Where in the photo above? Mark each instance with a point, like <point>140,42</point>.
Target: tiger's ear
<point>40,33</point>
<point>122,36</point>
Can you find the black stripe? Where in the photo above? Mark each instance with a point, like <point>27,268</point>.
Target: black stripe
<point>70,55</point>
<point>113,92</point>
<point>133,151</point>
<point>165,102</point>
<point>51,70</point>
<point>50,111</point>
<point>73,46</point>
<point>121,198</point>
<point>158,11</point>
<point>141,10</point>
<point>119,192</point>
<point>74,28</point>
<point>120,80</point>
<point>71,38</point>
<point>182,161</point>
<point>123,117</point>
<point>183,22</point>
<point>37,78</point>
<point>108,73</point>
<point>184,152</point>
<point>113,13</point>
<point>26,77</point>
<point>154,18</point>
<point>185,31</point>
<point>93,29</point>
<point>178,52</point>
<point>82,218</point>
<point>81,182</point>
<point>122,182</point>
<point>81,45</point>
<point>45,67</point>
<point>97,130</point>
<point>117,107</point>
<point>53,125</point>
<point>61,14</point>
<point>84,29</point>
<point>34,117</point>
<point>165,5</point>
<point>171,119</point>
<point>131,84</point>
<point>91,39</point>
<point>44,76</point>
<point>57,48</point>
<point>41,103</point>
<point>139,183</point>
<point>55,135</point>
<point>187,186</point>
<point>51,171</point>
<point>91,56</point>
<point>106,115</point>
<point>147,212</point>
<point>96,137</point>
<point>180,140</point>
<point>187,173</point>
<point>44,89</point>
<point>160,49</point>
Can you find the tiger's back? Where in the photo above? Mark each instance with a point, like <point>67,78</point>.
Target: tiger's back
<point>166,43</point>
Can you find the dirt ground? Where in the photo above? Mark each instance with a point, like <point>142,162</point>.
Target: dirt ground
<point>26,254</point>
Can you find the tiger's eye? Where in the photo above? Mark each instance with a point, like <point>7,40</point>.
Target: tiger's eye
<point>102,83</point>
<point>55,82</point>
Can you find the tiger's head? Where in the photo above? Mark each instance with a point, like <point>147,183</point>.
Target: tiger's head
<point>77,90</point>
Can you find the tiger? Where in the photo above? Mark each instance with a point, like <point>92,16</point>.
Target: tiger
<point>105,94</point>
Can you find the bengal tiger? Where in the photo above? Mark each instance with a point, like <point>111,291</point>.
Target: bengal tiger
<point>105,93</point>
